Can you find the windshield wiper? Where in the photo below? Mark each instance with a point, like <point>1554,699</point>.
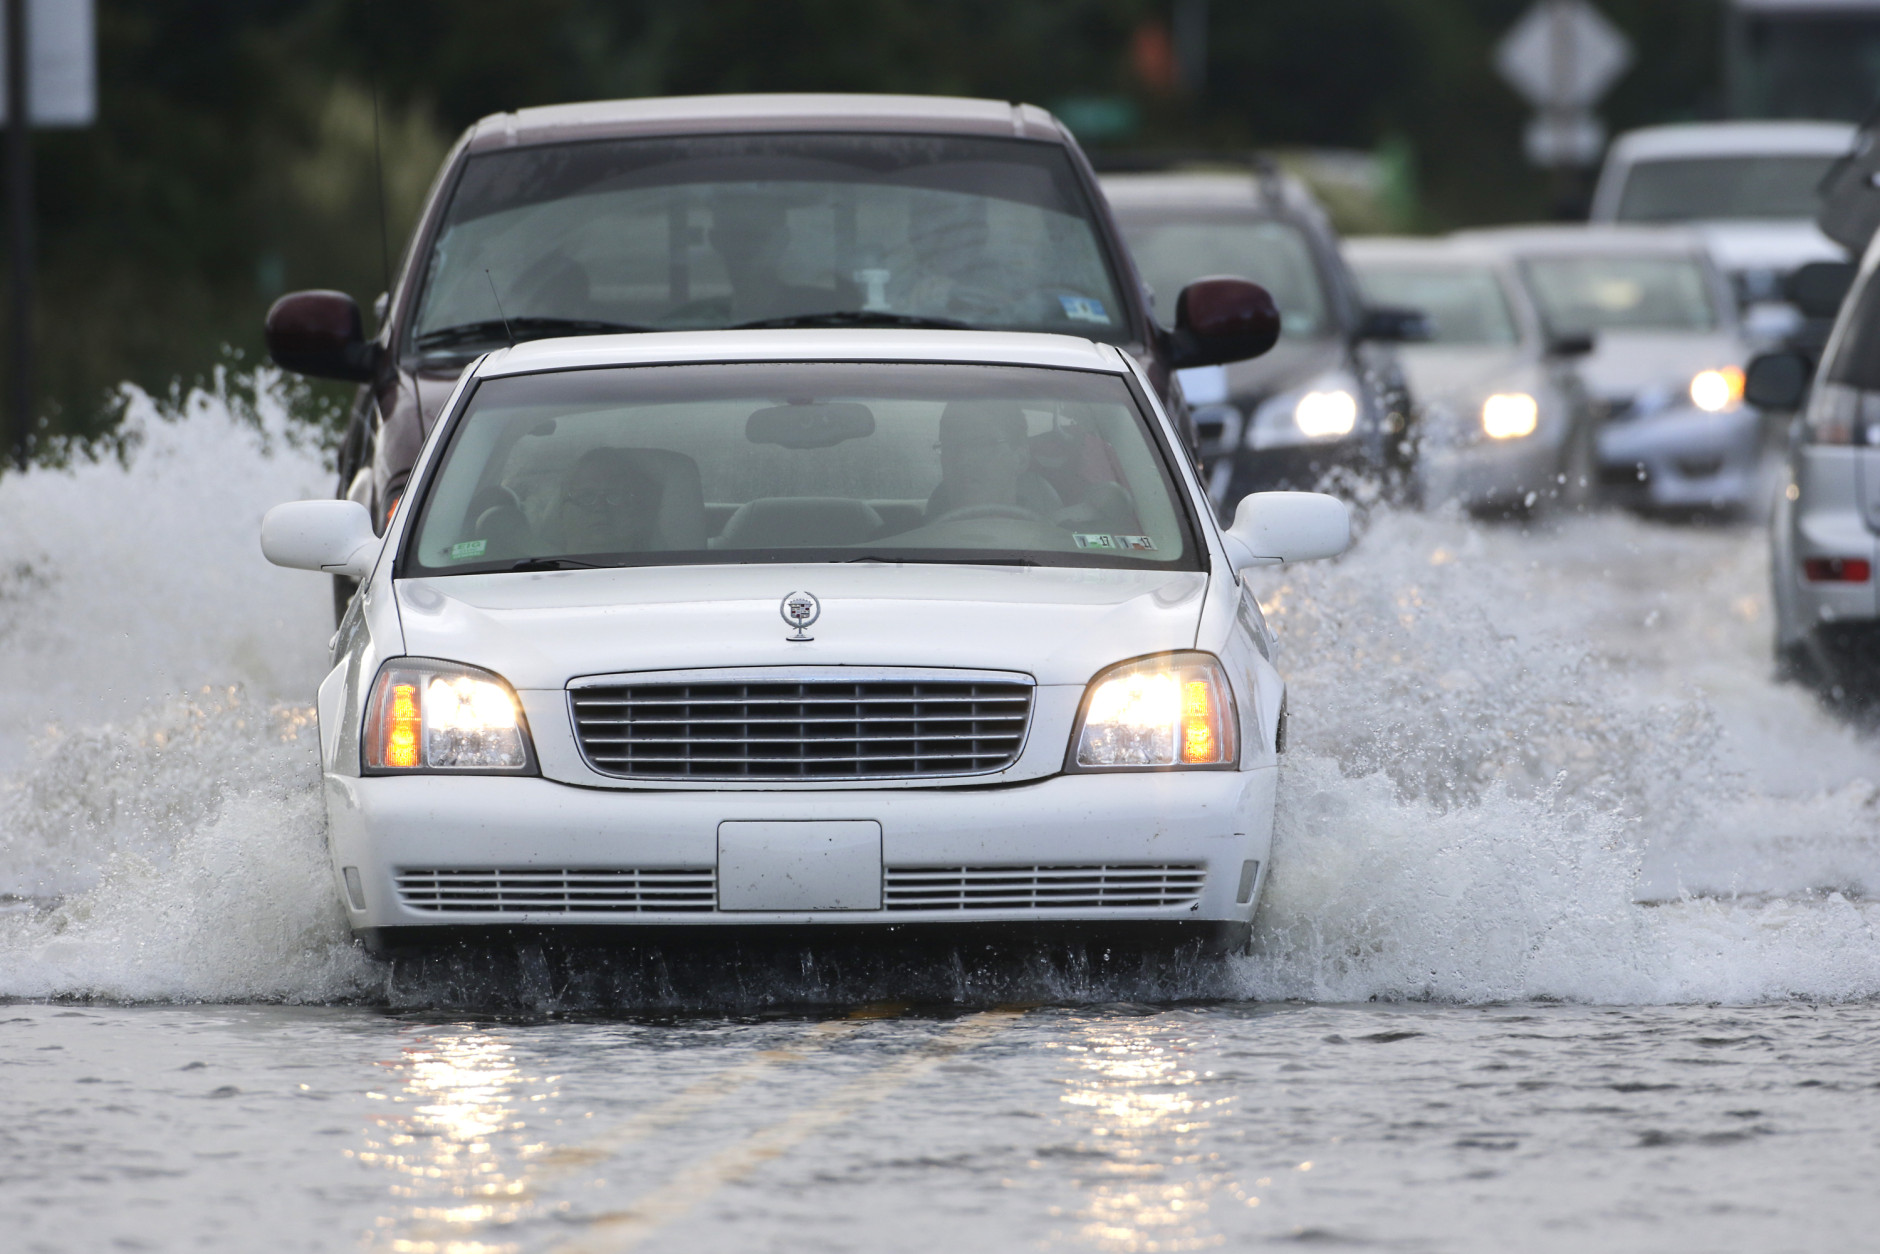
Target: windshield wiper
<point>554,563</point>
<point>855,318</point>
<point>946,561</point>
<point>496,331</point>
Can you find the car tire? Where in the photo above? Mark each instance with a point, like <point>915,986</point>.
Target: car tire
<point>1579,468</point>
<point>1845,661</point>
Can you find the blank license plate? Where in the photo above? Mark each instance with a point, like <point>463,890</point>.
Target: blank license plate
<point>814,865</point>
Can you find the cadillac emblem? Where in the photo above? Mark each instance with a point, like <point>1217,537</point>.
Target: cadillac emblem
<point>800,609</point>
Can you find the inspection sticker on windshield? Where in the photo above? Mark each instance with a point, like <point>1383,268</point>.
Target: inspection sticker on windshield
<point>1088,540</point>
<point>468,548</point>
<point>1084,309</point>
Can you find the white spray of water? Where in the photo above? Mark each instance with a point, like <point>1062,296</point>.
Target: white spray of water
<point>1547,764</point>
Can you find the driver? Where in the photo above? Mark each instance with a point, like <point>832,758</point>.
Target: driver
<point>751,234</point>
<point>985,461</point>
<point>609,505</point>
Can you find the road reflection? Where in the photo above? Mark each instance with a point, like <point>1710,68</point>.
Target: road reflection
<point>454,1142</point>
<point>1140,1107</point>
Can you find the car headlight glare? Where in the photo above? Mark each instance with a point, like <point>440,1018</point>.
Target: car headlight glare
<point>1326,415</point>
<point>1174,710</point>
<point>1714,391</point>
<point>441,716</point>
<point>1510,415</point>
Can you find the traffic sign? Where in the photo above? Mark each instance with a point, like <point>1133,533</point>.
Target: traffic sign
<point>63,74</point>
<point>1562,55</point>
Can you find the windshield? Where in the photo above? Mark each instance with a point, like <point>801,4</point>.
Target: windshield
<point>730,230</point>
<point>681,465</point>
<point>1579,295</point>
<point>1694,188</point>
<point>1174,253</point>
<point>1464,304</point>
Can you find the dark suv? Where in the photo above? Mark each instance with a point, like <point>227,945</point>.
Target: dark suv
<point>719,212</point>
<point>1329,403</point>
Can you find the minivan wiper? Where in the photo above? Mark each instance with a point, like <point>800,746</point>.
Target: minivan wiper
<point>946,561</point>
<point>855,318</point>
<point>554,563</point>
<point>496,331</point>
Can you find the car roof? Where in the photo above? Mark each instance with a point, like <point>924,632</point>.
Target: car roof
<point>1581,238</point>
<point>1208,190</point>
<point>1363,248</point>
<point>793,111</point>
<point>1706,139</point>
<point>665,348</point>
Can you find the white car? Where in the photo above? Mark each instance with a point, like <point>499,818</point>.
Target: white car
<point>1747,187</point>
<point>1503,420</point>
<point>803,627</point>
<point>1666,365</point>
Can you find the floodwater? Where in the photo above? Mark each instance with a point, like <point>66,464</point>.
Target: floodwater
<point>1569,941</point>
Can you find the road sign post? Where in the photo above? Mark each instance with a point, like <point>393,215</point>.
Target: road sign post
<point>1562,56</point>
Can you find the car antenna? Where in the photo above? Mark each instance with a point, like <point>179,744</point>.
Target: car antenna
<point>499,308</point>
<point>378,173</point>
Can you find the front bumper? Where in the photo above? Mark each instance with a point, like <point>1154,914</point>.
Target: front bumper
<point>1683,458</point>
<point>498,847</point>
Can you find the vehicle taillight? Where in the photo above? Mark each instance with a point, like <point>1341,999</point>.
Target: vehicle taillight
<point>1837,569</point>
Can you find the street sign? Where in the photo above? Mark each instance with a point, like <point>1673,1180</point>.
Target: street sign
<point>1563,55</point>
<point>63,76</point>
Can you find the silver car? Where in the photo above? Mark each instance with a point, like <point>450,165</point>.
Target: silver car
<point>1504,421</point>
<point>1823,532</point>
<point>1666,366</point>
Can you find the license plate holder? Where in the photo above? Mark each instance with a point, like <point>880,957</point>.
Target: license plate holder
<point>799,864</point>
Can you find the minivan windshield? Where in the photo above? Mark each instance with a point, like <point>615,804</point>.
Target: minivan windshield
<point>1691,189</point>
<point>682,465</point>
<point>1173,252</point>
<point>783,229</point>
<point>1620,292</point>
<point>1464,303</point>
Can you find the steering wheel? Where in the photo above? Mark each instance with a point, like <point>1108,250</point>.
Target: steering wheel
<point>966,513</point>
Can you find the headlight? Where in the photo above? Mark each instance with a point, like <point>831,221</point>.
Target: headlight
<point>441,716</point>
<point>1328,410</point>
<point>1509,416</point>
<point>1174,710</point>
<point>1716,390</point>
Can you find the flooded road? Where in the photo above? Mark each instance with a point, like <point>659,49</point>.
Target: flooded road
<point>1570,937</point>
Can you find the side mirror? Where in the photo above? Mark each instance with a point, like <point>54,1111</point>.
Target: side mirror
<point>1778,381</point>
<point>1818,288</point>
<point>1273,527</point>
<point>1578,345</point>
<point>331,536</point>
<point>1221,319</point>
<point>320,334</point>
<point>1393,324</point>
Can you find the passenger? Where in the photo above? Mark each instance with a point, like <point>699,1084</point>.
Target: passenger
<point>609,505</point>
<point>985,460</point>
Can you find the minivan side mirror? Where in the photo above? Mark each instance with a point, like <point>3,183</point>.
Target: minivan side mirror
<point>1222,319</point>
<point>320,333</point>
<point>331,536</point>
<point>1778,380</point>
<point>1273,527</point>
<point>1393,324</point>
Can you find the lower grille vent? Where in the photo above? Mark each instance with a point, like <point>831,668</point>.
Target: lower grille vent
<point>1041,887</point>
<point>577,890</point>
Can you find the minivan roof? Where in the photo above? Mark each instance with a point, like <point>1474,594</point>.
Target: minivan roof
<point>800,111</point>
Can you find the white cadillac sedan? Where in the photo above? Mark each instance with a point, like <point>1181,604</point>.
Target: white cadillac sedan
<point>790,628</point>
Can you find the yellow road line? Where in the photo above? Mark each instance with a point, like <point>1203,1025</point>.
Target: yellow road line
<point>623,1230</point>
<point>706,1093</point>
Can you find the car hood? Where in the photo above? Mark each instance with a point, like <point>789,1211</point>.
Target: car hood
<point>1464,372</point>
<point>1624,363</point>
<point>1777,244</point>
<point>539,630</point>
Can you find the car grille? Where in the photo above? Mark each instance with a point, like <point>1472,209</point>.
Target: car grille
<point>1040,887</point>
<point>825,730</point>
<point>577,890</point>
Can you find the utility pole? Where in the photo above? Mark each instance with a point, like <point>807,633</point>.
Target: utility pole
<point>19,233</point>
